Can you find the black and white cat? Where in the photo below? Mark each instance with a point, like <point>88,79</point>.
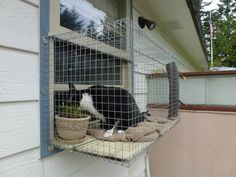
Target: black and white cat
<point>109,104</point>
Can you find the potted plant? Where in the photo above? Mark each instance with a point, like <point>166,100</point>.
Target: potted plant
<point>71,123</point>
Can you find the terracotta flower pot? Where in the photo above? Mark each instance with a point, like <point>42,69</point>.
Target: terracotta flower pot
<point>72,128</point>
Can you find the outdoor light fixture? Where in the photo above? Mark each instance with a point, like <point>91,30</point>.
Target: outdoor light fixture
<point>150,24</point>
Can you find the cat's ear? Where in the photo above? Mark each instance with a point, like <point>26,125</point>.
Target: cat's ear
<point>72,87</point>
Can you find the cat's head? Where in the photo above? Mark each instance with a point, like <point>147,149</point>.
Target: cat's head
<point>74,95</point>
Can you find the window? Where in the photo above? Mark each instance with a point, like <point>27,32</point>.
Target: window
<point>66,15</point>
<point>89,17</point>
<point>78,14</point>
<point>85,66</point>
<point>95,64</point>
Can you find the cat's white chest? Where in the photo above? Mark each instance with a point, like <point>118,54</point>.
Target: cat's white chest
<point>86,103</point>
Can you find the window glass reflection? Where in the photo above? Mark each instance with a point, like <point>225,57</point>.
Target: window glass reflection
<point>80,14</point>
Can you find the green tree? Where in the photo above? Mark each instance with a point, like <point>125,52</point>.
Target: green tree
<point>91,30</point>
<point>224,32</point>
<point>205,18</point>
<point>69,18</point>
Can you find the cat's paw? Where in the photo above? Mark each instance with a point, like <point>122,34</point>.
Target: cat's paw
<point>108,133</point>
<point>119,132</point>
<point>102,118</point>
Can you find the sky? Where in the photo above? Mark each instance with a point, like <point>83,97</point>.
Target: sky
<point>213,4</point>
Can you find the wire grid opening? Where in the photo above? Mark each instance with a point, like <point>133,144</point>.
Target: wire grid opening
<point>110,92</point>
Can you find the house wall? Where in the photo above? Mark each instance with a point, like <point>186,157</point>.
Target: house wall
<point>19,105</point>
<point>19,81</point>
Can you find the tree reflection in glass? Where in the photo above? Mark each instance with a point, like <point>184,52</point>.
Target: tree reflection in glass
<point>89,16</point>
<point>80,13</point>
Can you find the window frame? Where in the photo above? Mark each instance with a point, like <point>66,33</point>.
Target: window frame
<point>56,28</point>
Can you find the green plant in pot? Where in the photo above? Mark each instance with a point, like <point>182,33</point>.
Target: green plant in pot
<point>71,123</point>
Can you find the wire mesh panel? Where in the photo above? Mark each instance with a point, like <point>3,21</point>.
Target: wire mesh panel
<point>114,91</point>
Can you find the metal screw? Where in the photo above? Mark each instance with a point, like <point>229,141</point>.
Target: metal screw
<point>44,39</point>
<point>44,92</point>
<point>50,147</point>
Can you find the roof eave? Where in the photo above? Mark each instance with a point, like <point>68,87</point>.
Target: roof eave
<point>194,7</point>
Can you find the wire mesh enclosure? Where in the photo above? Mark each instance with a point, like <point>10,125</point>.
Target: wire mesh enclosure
<point>114,91</point>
